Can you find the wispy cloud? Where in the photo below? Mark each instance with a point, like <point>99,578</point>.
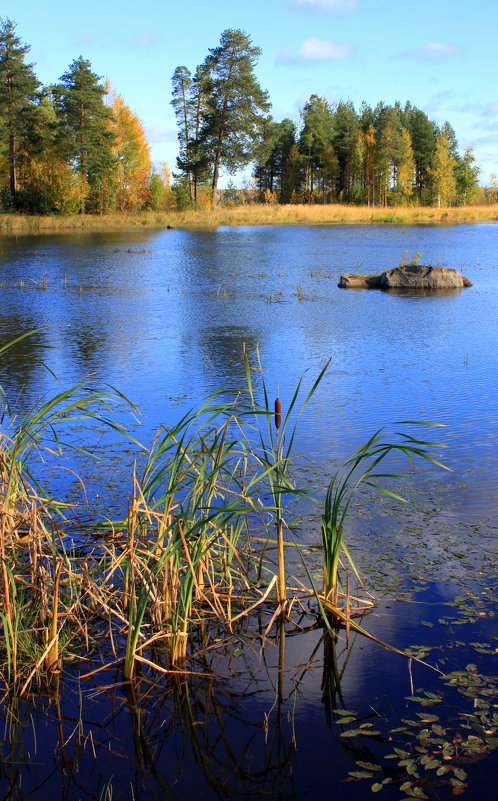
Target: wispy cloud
<point>141,41</point>
<point>487,139</point>
<point>477,107</point>
<point>158,135</point>
<point>314,51</point>
<point>327,5</point>
<point>438,101</point>
<point>144,40</point>
<point>434,52</point>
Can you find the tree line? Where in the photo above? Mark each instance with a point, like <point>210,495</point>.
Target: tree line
<point>388,155</point>
<point>71,147</point>
<point>382,156</point>
<point>76,147</point>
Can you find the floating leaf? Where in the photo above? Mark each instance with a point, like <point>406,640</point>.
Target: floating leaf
<point>360,774</point>
<point>344,712</point>
<point>376,787</point>
<point>367,765</point>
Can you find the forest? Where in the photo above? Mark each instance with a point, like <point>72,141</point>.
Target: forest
<point>76,147</point>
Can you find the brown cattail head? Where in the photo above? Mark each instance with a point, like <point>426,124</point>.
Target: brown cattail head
<point>278,413</point>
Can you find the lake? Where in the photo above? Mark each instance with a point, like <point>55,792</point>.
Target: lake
<point>164,316</point>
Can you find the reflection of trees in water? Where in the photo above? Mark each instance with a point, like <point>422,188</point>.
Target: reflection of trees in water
<point>222,350</point>
<point>21,370</point>
<point>89,346</point>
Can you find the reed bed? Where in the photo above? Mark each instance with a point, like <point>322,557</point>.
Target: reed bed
<point>201,547</point>
<point>251,214</point>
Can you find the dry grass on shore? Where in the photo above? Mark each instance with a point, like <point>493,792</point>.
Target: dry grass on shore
<point>251,215</point>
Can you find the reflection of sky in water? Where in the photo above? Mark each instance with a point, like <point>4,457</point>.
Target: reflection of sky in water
<point>163,316</point>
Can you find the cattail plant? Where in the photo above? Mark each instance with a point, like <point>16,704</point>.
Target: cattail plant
<point>274,455</point>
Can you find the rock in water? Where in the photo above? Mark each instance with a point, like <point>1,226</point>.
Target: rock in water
<point>409,276</point>
<point>419,276</point>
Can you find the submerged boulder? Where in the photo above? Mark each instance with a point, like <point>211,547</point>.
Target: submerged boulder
<point>355,281</point>
<point>409,276</point>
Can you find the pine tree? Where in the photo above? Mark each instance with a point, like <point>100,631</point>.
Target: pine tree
<point>467,175</point>
<point>270,172</point>
<point>423,135</point>
<point>345,126</point>
<point>315,139</point>
<point>85,132</point>
<point>237,107</point>
<point>190,101</point>
<point>18,97</point>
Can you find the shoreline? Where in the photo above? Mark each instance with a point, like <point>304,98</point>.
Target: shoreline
<point>250,215</point>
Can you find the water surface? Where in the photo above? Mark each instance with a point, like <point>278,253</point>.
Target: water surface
<point>164,317</point>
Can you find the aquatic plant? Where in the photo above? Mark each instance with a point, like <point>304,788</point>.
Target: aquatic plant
<point>274,454</point>
<point>195,549</point>
<point>361,469</point>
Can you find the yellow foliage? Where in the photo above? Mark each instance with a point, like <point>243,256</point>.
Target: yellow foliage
<point>132,152</point>
<point>51,180</point>
<point>270,197</point>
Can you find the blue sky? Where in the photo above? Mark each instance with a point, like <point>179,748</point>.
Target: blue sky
<point>439,54</point>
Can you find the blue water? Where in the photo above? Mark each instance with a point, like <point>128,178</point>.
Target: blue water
<point>164,316</point>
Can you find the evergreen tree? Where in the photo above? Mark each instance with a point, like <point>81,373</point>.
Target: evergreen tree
<point>182,85</point>
<point>271,173</point>
<point>315,139</point>
<point>467,175</point>
<point>48,184</point>
<point>423,136</point>
<point>291,177</point>
<point>85,132</point>
<point>448,130</point>
<point>237,107</point>
<point>18,97</point>
<point>190,101</point>
<point>370,140</point>
<point>345,126</point>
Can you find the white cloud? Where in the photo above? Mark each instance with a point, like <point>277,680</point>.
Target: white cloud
<point>434,52</point>
<point>327,5</point>
<point>315,51</point>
